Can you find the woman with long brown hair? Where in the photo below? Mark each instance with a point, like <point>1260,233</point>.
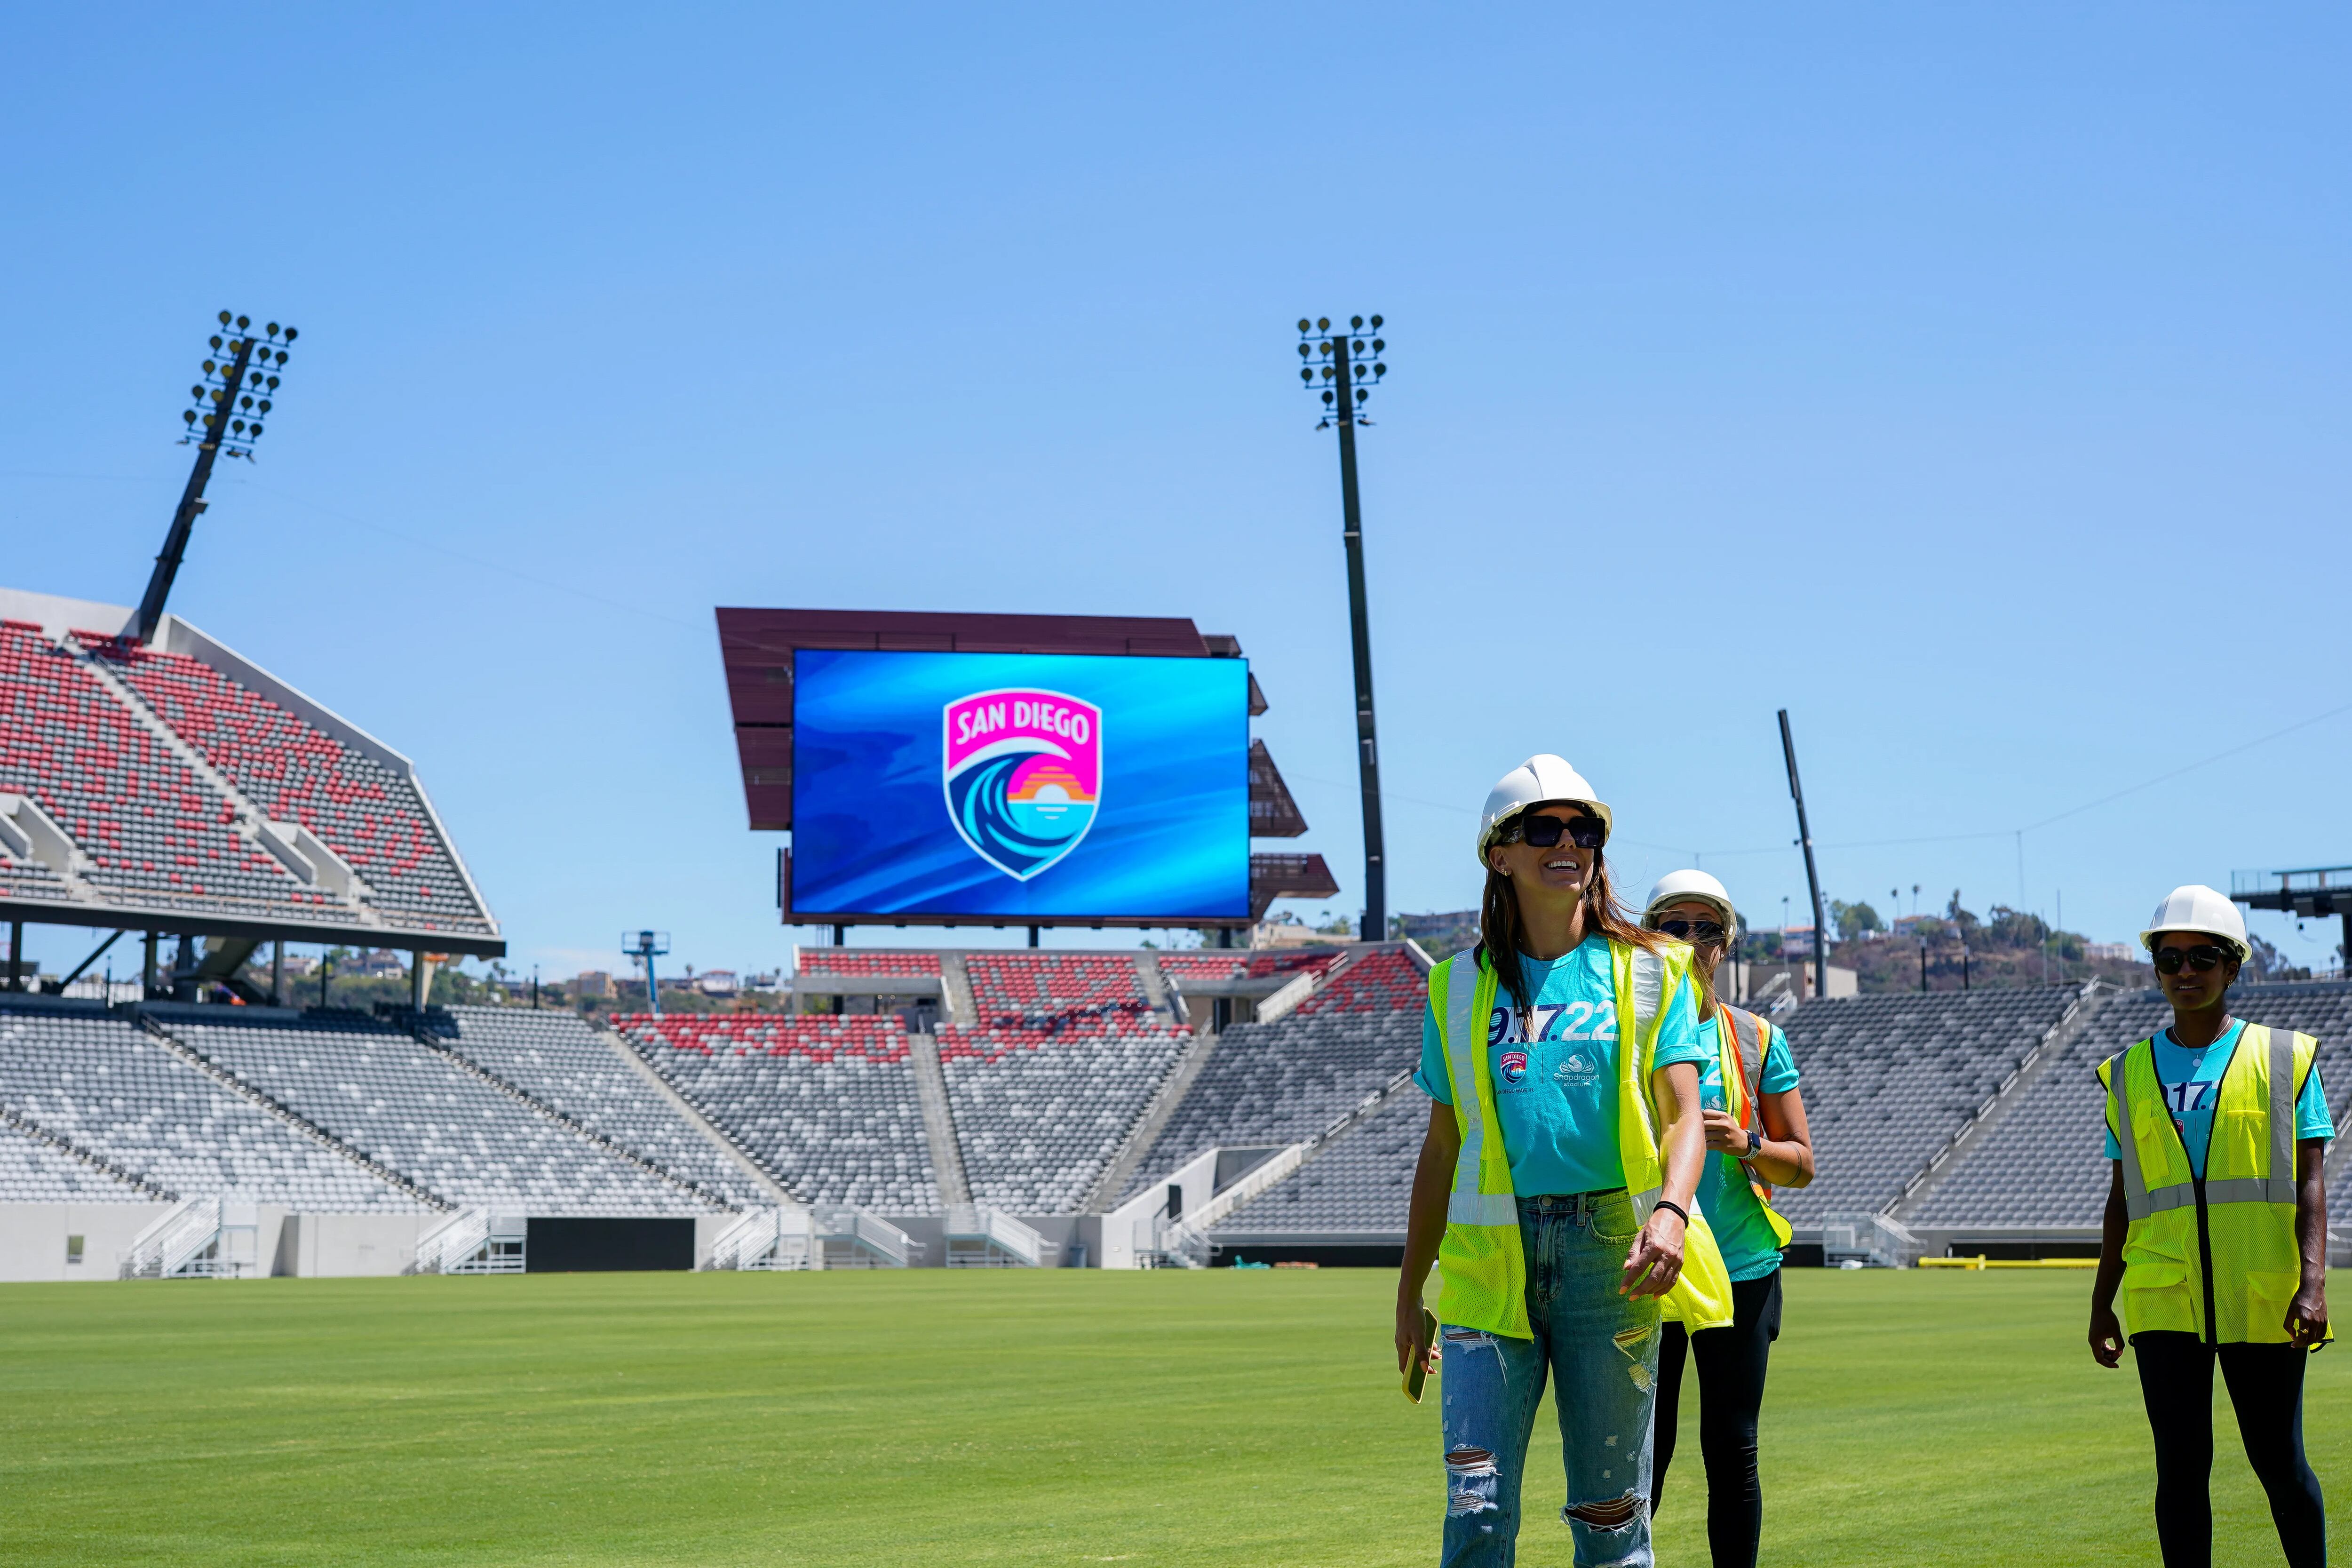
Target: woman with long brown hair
<point>1555,1189</point>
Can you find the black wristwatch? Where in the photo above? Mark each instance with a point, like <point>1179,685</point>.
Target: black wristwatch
<point>1755,1143</point>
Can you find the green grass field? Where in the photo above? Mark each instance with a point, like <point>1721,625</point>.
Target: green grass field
<point>929,1417</point>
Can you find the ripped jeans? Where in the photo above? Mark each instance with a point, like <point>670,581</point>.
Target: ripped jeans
<point>1602,1348</point>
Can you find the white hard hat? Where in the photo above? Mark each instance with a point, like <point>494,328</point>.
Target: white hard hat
<point>1538,779</point>
<point>1676,886</point>
<point>2199,909</point>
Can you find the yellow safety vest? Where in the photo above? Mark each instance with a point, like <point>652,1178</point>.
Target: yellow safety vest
<point>1743,1071</point>
<point>2214,1256</point>
<point>1481,1264</point>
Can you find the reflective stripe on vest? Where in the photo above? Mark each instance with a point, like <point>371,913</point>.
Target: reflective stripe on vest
<point>2276,1187</point>
<point>1465,1035</point>
<point>1649,995</point>
<point>1744,1056</point>
<point>1747,1056</point>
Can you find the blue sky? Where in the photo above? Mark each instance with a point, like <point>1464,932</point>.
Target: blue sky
<point>1969,381</point>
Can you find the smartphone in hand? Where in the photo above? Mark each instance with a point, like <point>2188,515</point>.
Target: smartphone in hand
<point>1417,1373</point>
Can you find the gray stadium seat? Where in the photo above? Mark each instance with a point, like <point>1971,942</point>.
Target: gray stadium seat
<point>2045,1164</point>
<point>380,1090</point>
<point>104,1085</point>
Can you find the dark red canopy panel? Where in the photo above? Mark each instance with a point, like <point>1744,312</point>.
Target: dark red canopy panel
<point>756,646</point>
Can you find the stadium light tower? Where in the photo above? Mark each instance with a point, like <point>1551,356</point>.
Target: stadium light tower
<point>1812,877</point>
<point>647,945</point>
<point>239,384</point>
<point>1348,364</point>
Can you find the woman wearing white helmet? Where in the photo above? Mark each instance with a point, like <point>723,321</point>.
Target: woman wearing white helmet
<point>1557,1178</point>
<point>1757,1140</point>
<point>2216,1232</point>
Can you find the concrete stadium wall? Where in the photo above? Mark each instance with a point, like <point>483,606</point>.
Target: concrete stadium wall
<point>1059,1230</point>
<point>707,1230</point>
<point>341,1246</point>
<point>288,1245</point>
<point>33,1238</point>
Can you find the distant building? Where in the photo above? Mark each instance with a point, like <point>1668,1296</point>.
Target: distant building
<point>717,982</point>
<point>592,982</point>
<point>1290,933</point>
<point>2117,952</point>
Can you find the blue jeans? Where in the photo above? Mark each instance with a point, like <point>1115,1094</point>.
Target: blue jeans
<point>1603,1350</point>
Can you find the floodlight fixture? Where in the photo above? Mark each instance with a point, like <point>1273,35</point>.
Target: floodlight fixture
<point>1348,375</point>
<point>220,423</point>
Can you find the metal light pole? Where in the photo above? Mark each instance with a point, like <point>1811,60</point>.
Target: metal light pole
<point>1336,359</point>
<point>1812,877</point>
<point>239,384</point>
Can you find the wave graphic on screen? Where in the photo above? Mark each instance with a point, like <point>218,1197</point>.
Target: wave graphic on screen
<point>1024,775</point>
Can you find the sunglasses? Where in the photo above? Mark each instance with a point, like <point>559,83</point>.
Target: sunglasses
<point>2169,960</point>
<point>1698,933</point>
<point>1543,832</point>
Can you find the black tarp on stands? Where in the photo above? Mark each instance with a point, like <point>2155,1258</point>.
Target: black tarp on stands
<point>581,1246</point>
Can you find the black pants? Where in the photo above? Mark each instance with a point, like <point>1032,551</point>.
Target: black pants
<point>1730,1392</point>
<point>2176,1378</point>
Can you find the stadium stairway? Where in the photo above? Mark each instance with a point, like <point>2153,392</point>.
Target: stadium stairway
<point>826,1105</point>
<point>2042,1171</point>
<point>1155,987</point>
<point>1890,1076</point>
<point>771,1191</point>
<point>444,1126</point>
<point>433,1034</point>
<point>955,984</point>
<point>938,1124</point>
<point>718,1134</point>
<point>1120,1173</point>
<point>1280,1080</point>
<point>2051,1050</point>
<point>1347,1188</point>
<point>37,1164</point>
<point>152,1025</point>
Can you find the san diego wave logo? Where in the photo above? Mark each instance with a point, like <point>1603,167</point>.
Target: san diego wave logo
<point>1023,773</point>
<point>1515,1067</point>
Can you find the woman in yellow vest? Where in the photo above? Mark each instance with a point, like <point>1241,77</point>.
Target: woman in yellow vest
<point>2216,1232</point>
<point>1556,1183</point>
<point>1756,1140</point>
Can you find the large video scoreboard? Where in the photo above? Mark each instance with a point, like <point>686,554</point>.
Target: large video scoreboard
<point>1003,770</point>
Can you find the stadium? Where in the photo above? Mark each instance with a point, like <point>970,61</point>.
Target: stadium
<point>748,902</point>
<point>1062,1113</point>
<point>920,1107</point>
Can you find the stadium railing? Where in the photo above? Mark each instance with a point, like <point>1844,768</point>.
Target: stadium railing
<point>472,1241</point>
<point>983,1237</point>
<point>768,1238</point>
<point>1871,1239</point>
<point>213,1238</point>
<point>853,1239</point>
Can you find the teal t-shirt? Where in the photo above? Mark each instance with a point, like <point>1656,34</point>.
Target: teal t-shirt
<point>2191,1081</point>
<point>1750,1250</point>
<point>1555,1068</point>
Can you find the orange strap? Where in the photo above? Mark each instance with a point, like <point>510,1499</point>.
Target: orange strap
<point>1749,1112</point>
<point>1726,1016</point>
